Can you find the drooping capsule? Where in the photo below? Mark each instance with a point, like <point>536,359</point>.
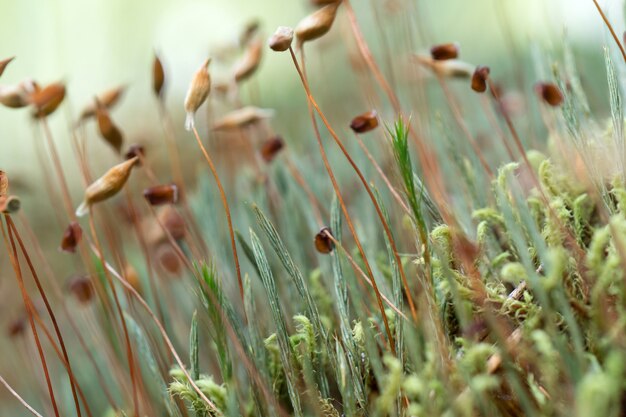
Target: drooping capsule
<point>107,185</point>
<point>323,242</point>
<point>198,91</point>
<point>71,237</point>
<point>317,24</point>
<point>161,194</point>
<point>365,122</point>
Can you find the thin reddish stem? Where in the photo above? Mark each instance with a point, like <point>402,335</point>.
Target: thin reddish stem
<point>57,330</point>
<point>129,350</point>
<point>610,27</point>
<point>226,210</point>
<point>29,308</point>
<point>344,209</point>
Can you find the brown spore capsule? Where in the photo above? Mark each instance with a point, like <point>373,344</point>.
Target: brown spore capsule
<point>173,222</point>
<point>71,237</point>
<point>4,184</point>
<point>317,24</point>
<point>161,194</point>
<point>81,288</point>
<point>17,327</point>
<point>198,91</point>
<point>444,51</point>
<point>107,128</point>
<point>4,63</point>
<point>549,93</point>
<point>479,79</point>
<point>48,99</point>
<point>271,148</point>
<point>158,76</point>
<point>365,122</point>
<point>135,150</point>
<point>323,243</point>
<point>281,39</point>
<point>108,99</point>
<point>106,186</point>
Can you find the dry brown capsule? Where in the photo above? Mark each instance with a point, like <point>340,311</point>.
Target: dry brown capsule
<point>198,91</point>
<point>107,185</point>
<point>161,194</point>
<point>10,204</point>
<point>81,287</point>
<point>479,79</point>
<point>132,277</point>
<point>135,150</point>
<point>323,242</point>
<point>242,117</point>
<point>17,327</point>
<point>249,62</point>
<point>316,24</point>
<point>365,122</point>
<point>550,93</point>
<point>13,96</point>
<point>173,222</point>
<point>108,130</point>
<point>108,99</point>
<point>48,99</point>
<point>452,68</point>
<point>281,39</point>
<point>4,63</point>
<point>169,259</point>
<point>71,237</point>
<point>271,147</point>
<point>4,184</point>
<point>158,76</point>
<point>444,51</point>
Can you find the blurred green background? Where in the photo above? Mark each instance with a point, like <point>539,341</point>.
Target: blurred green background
<point>94,45</point>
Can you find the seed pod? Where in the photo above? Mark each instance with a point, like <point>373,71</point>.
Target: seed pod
<point>132,277</point>
<point>365,122</point>
<point>281,39</point>
<point>135,150</point>
<point>17,327</point>
<point>271,147</point>
<point>168,259</point>
<point>444,51</point>
<point>550,93</point>
<point>243,117</point>
<point>197,93</point>
<point>71,237</point>
<point>323,242</point>
<point>249,31</point>
<point>173,222</point>
<point>106,186</point>
<point>452,68</point>
<point>108,130</point>
<point>4,184</point>
<point>4,63</point>
<point>48,99</point>
<point>250,61</point>
<point>158,76</point>
<point>316,24</point>
<point>108,99</point>
<point>13,96</point>
<point>161,194</point>
<point>81,288</point>
<point>10,204</point>
<point>479,79</point>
